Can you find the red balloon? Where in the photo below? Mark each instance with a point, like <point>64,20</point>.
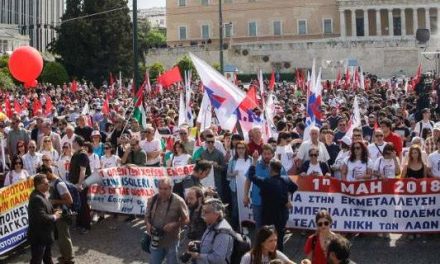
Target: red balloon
<point>25,64</point>
<point>31,84</point>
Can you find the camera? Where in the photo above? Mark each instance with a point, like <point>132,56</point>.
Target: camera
<point>156,235</point>
<point>193,246</point>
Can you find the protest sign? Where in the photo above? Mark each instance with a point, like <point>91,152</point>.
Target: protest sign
<point>392,205</point>
<point>14,215</point>
<point>127,189</point>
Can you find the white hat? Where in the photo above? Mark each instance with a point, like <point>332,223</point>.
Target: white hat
<point>96,133</point>
<point>346,140</point>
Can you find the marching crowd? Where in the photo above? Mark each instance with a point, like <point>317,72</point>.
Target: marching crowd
<point>73,137</point>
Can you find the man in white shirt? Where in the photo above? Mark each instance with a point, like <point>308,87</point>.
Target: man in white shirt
<point>434,162</point>
<point>424,123</point>
<point>303,151</point>
<point>32,159</point>
<point>152,148</point>
<point>69,136</point>
<point>375,149</point>
<point>217,144</point>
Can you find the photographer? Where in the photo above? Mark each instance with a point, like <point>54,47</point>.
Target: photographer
<point>215,246</point>
<point>135,154</point>
<point>201,171</point>
<point>166,214</point>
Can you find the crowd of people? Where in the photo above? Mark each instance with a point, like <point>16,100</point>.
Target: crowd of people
<point>66,141</point>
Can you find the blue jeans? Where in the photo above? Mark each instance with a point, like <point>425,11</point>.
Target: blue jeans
<point>157,255</point>
<point>257,210</point>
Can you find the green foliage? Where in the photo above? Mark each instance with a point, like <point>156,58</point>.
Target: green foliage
<point>6,81</point>
<point>155,70</point>
<point>54,73</point>
<point>156,39</point>
<point>216,66</point>
<point>186,64</point>
<point>92,47</point>
<point>4,61</point>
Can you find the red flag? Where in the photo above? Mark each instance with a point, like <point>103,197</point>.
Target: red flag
<point>170,144</point>
<point>48,106</point>
<point>105,106</point>
<point>112,80</point>
<point>356,79</point>
<point>139,97</point>
<point>8,108</point>
<point>338,77</point>
<point>347,78</point>
<point>74,86</point>
<point>25,103</point>
<point>36,106</point>
<point>272,81</point>
<point>416,78</point>
<point>376,125</point>
<point>250,101</point>
<point>17,107</point>
<point>170,77</point>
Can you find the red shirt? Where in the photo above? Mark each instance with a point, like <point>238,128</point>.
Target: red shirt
<point>318,256</point>
<point>397,142</point>
<point>252,147</point>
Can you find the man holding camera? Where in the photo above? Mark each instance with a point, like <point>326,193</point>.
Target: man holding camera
<point>166,214</point>
<point>215,246</point>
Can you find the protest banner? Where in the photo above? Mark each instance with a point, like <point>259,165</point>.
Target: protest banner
<point>14,215</point>
<point>127,189</point>
<point>392,205</point>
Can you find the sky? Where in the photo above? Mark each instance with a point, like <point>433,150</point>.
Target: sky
<point>147,3</point>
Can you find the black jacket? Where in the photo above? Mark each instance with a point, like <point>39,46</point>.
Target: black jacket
<point>41,221</point>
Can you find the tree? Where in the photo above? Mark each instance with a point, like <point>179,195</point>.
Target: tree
<point>149,37</point>
<point>155,70</point>
<point>6,81</point>
<point>216,66</point>
<point>186,64</point>
<point>156,39</point>
<point>92,47</point>
<point>54,73</point>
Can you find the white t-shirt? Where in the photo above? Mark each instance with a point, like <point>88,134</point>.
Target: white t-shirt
<point>63,166</point>
<point>246,259</point>
<point>342,155</point>
<point>385,167</point>
<point>61,187</point>
<point>13,177</point>
<point>434,163</point>
<point>95,163</point>
<point>66,139</point>
<point>374,152</point>
<point>150,146</point>
<point>356,169</point>
<point>286,156</point>
<point>303,151</point>
<point>421,125</point>
<point>314,168</point>
<point>32,162</point>
<point>110,162</point>
<point>180,160</point>
<point>53,154</point>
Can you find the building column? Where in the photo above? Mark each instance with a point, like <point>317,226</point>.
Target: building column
<point>403,21</point>
<point>438,21</point>
<point>353,23</point>
<point>366,24</point>
<point>342,23</point>
<point>390,22</point>
<point>427,19</point>
<point>378,23</point>
<point>415,20</point>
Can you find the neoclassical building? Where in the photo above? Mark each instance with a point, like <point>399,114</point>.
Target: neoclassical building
<point>36,18</point>
<point>10,38</point>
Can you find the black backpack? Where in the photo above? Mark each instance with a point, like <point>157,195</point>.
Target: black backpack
<point>242,244</point>
<point>76,205</point>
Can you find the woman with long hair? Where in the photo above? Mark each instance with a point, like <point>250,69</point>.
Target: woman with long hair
<point>357,167</point>
<point>265,248</point>
<point>98,146</point>
<point>21,148</point>
<point>17,173</point>
<point>314,167</point>
<point>236,175</point>
<point>95,163</point>
<point>180,156</point>
<point>109,160</point>
<point>63,162</point>
<point>343,154</point>
<point>316,244</point>
<point>415,167</point>
<point>48,149</point>
<point>387,166</point>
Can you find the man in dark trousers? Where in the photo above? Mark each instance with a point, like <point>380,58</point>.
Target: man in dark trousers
<point>274,193</point>
<point>42,220</point>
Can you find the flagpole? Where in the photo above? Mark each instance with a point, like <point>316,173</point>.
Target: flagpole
<point>2,145</point>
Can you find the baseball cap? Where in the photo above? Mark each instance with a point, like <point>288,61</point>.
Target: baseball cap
<point>95,133</point>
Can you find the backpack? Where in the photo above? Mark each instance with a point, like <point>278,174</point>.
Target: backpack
<point>76,205</point>
<point>242,244</point>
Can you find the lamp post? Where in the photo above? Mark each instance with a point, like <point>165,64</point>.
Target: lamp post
<point>135,47</point>
<point>220,22</point>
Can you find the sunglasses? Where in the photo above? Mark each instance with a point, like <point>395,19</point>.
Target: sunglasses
<point>47,141</point>
<point>64,147</point>
<point>45,159</point>
<point>20,146</point>
<point>19,163</point>
<point>357,135</point>
<point>313,155</point>
<point>326,223</point>
<point>357,148</point>
<point>379,135</point>
<point>182,133</point>
<point>106,148</point>
<point>210,142</point>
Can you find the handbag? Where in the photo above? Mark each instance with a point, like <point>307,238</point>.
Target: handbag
<point>145,243</point>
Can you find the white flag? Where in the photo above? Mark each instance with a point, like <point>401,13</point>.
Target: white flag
<point>205,113</point>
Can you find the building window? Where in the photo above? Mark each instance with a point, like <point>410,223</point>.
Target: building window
<point>327,26</point>
<point>228,30</point>
<point>302,27</point>
<point>205,2</point>
<point>252,28</point>
<point>182,33</point>
<point>205,31</point>
<point>277,31</point>
<point>182,2</point>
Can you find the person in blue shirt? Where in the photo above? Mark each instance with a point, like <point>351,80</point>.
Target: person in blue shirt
<point>261,171</point>
<point>275,192</point>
